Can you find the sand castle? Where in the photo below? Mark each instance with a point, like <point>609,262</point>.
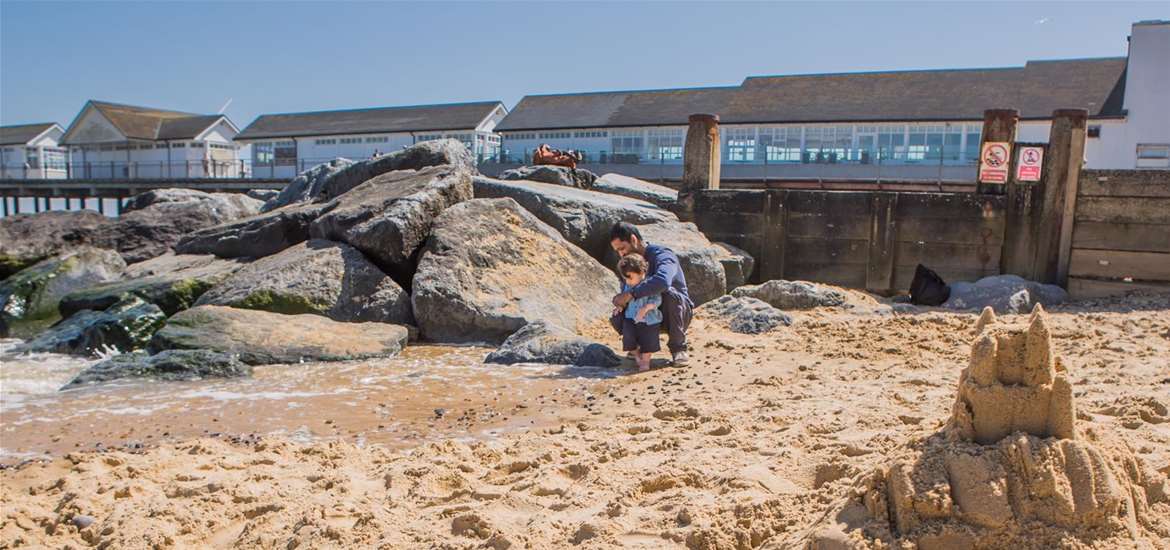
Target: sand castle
<point>1009,468</point>
<point>1013,383</point>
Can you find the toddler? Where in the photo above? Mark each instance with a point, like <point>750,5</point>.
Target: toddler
<point>642,319</point>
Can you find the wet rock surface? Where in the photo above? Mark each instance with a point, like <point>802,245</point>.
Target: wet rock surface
<point>541,342</point>
<point>172,282</point>
<point>1004,294</point>
<point>746,315</point>
<point>584,218</point>
<point>318,277</point>
<point>490,267</point>
<point>261,337</point>
<point>126,325</point>
<point>26,239</point>
<point>556,175</point>
<point>793,295</point>
<point>35,292</point>
<point>169,366</point>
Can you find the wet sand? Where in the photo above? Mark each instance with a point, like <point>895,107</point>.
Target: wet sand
<point>425,393</point>
<point>748,447</point>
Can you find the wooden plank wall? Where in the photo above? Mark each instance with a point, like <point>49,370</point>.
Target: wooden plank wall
<point>1121,233</point>
<point>860,239</point>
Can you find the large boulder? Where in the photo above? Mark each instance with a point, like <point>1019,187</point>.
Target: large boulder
<point>254,236</point>
<point>26,239</point>
<point>490,267</point>
<point>745,315</point>
<point>263,195</point>
<point>153,222</point>
<point>556,175</point>
<point>440,152</point>
<point>319,277</point>
<point>263,338</point>
<point>702,261</point>
<point>583,217</point>
<point>1004,294</point>
<point>184,364</point>
<point>389,217</point>
<point>738,265</point>
<point>793,295</point>
<point>35,292</point>
<point>541,342</point>
<point>126,325</point>
<point>307,185</point>
<point>618,184</point>
<point>172,282</point>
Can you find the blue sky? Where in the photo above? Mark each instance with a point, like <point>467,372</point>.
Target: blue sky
<point>297,56</point>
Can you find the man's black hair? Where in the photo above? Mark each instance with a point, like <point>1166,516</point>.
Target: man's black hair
<point>623,231</point>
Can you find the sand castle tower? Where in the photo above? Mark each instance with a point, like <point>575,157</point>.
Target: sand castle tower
<point>1009,469</point>
<point>1013,384</point>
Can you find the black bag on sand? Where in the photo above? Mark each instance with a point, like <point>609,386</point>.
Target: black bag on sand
<point>927,288</point>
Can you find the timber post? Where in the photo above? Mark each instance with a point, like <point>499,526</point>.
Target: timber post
<point>999,126</point>
<point>1062,172</point>
<point>700,159</point>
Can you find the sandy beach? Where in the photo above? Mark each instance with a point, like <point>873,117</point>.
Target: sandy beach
<point>750,446</point>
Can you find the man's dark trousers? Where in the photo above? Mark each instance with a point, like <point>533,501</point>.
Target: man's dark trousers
<point>677,312</point>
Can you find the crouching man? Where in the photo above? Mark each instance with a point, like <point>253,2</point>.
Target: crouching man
<point>664,277</point>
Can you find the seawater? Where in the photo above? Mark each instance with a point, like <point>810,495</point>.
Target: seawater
<point>426,392</point>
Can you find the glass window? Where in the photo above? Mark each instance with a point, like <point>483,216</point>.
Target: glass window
<point>892,142</point>
<point>626,142</point>
<point>842,144</point>
<point>741,144</point>
<point>780,144</point>
<point>953,144</point>
<point>262,153</point>
<point>971,148</point>
<point>55,159</point>
<point>665,143</point>
<point>814,137</point>
<point>1153,155</point>
<point>284,153</point>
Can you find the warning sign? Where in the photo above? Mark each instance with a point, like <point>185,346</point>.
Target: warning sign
<point>993,162</point>
<point>1029,164</point>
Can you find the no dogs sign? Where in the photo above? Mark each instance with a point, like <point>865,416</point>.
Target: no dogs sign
<point>1029,164</point>
<point>993,162</point>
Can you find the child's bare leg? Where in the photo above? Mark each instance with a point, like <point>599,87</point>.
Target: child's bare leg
<point>644,361</point>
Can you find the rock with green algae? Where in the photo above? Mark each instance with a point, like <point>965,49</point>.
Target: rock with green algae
<point>127,325</point>
<point>186,364</point>
<point>171,282</point>
<point>318,277</point>
<point>35,292</point>
<point>262,337</point>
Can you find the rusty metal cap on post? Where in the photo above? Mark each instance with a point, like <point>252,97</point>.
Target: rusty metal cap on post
<point>703,117</point>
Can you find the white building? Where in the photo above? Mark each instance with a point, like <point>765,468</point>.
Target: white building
<point>109,140</point>
<point>285,144</point>
<point>31,151</point>
<point>895,124</point>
